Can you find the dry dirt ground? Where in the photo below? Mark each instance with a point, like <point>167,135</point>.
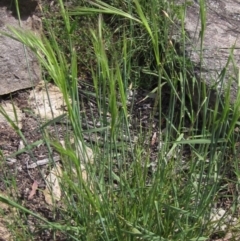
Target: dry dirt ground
<point>17,180</point>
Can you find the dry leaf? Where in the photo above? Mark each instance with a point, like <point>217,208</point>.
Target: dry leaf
<point>85,155</point>
<point>34,189</point>
<point>52,192</point>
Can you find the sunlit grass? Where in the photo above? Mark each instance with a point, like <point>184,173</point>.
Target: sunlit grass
<point>124,200</point>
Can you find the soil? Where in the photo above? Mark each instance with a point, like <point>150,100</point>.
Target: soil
<point>16,169</point>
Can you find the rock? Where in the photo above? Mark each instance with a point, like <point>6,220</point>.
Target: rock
<point>47,101</point>
<point>221,34</point>
<point>13,112</point>
<point>19,68</point>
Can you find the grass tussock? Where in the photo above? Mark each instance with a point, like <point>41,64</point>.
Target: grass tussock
<point>123,46</point>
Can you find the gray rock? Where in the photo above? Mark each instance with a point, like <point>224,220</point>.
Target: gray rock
<point>19,68</point>
<point>221,35</point>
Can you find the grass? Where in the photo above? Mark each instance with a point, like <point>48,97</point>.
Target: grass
<point>129,46</point>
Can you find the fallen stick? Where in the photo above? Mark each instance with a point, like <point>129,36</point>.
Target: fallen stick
<point>43,162</point>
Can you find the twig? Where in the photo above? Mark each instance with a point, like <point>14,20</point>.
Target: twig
<point>43,162</point>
